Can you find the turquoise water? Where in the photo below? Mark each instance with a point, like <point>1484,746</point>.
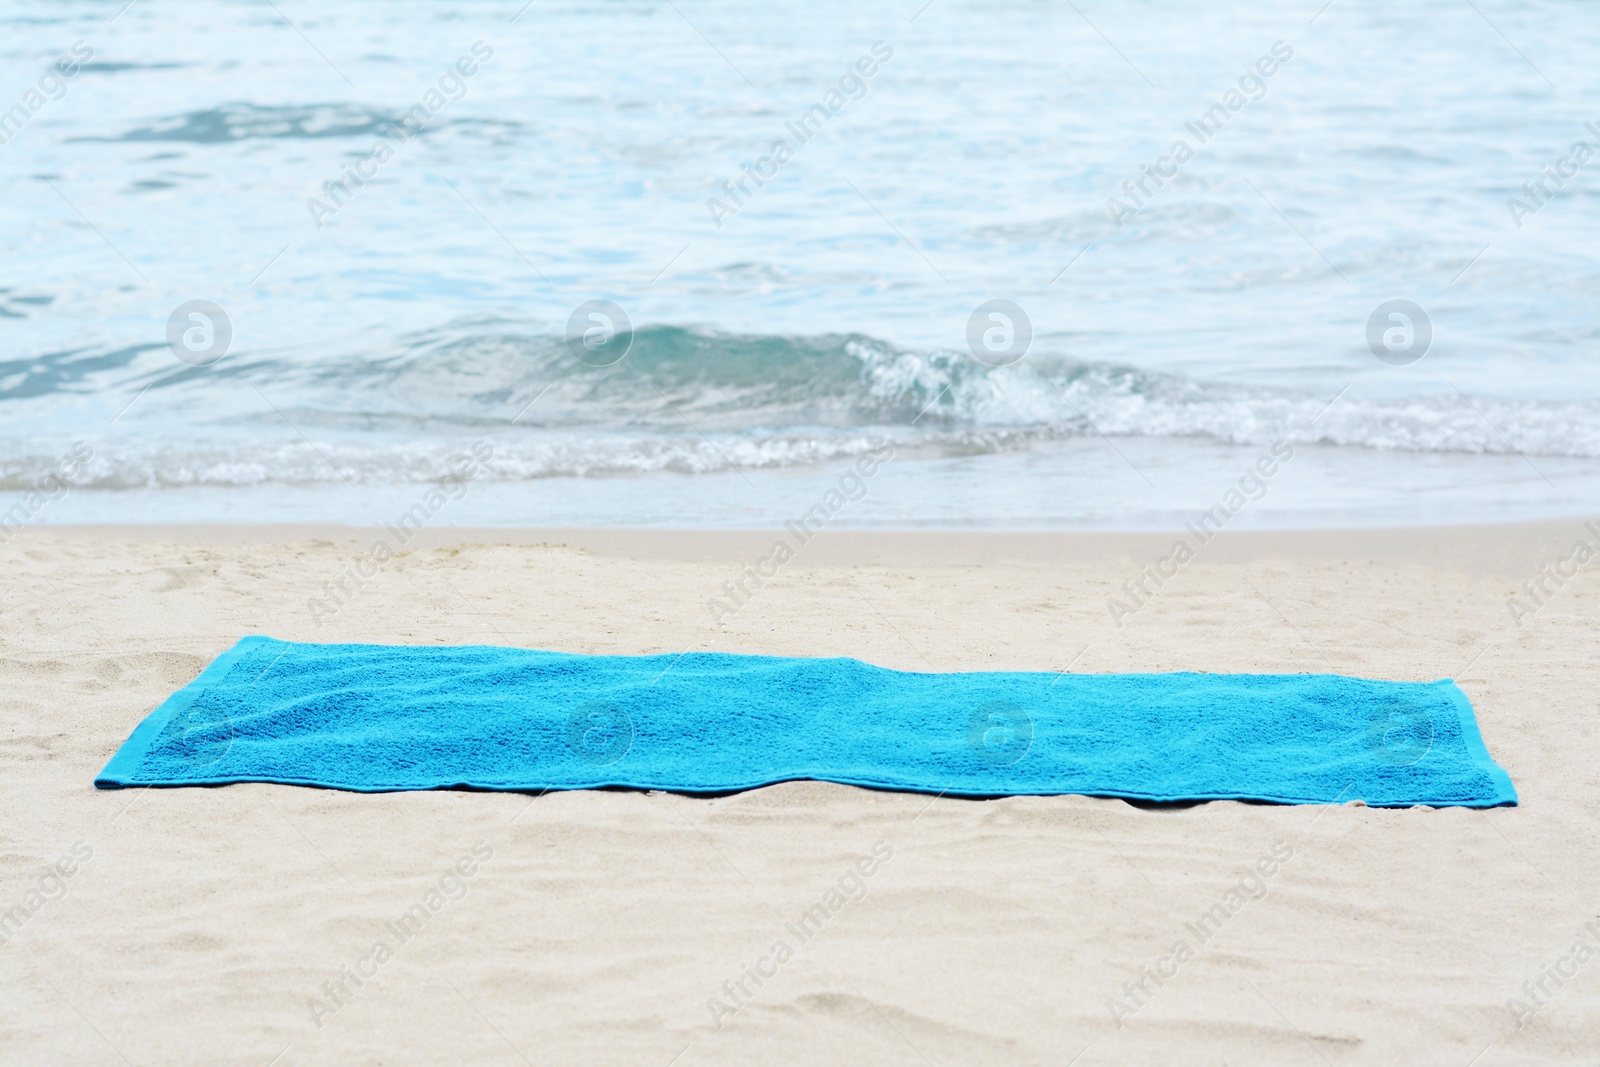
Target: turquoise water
<point>821,311</point>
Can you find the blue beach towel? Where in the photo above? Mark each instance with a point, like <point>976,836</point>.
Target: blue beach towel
<point>386,717</point>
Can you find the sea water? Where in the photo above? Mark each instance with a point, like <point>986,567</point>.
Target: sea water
<point>394,218</point>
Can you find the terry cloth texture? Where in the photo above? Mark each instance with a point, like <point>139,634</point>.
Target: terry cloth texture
<point>386,717</point>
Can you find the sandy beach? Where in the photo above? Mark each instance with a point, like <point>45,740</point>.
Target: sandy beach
<point>952,337</point>
<point>238,924</point>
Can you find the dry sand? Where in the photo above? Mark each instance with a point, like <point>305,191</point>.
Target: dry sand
<point>206,920</point>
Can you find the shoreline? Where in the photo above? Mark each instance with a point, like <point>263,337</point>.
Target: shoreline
<point>1498,546</point>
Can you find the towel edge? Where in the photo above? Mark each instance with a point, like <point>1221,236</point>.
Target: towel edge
<point>121,770</point>
<point>720,788</point>
<point>1472,736</point>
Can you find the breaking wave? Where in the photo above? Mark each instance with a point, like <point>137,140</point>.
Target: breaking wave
<point>690,401</point>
